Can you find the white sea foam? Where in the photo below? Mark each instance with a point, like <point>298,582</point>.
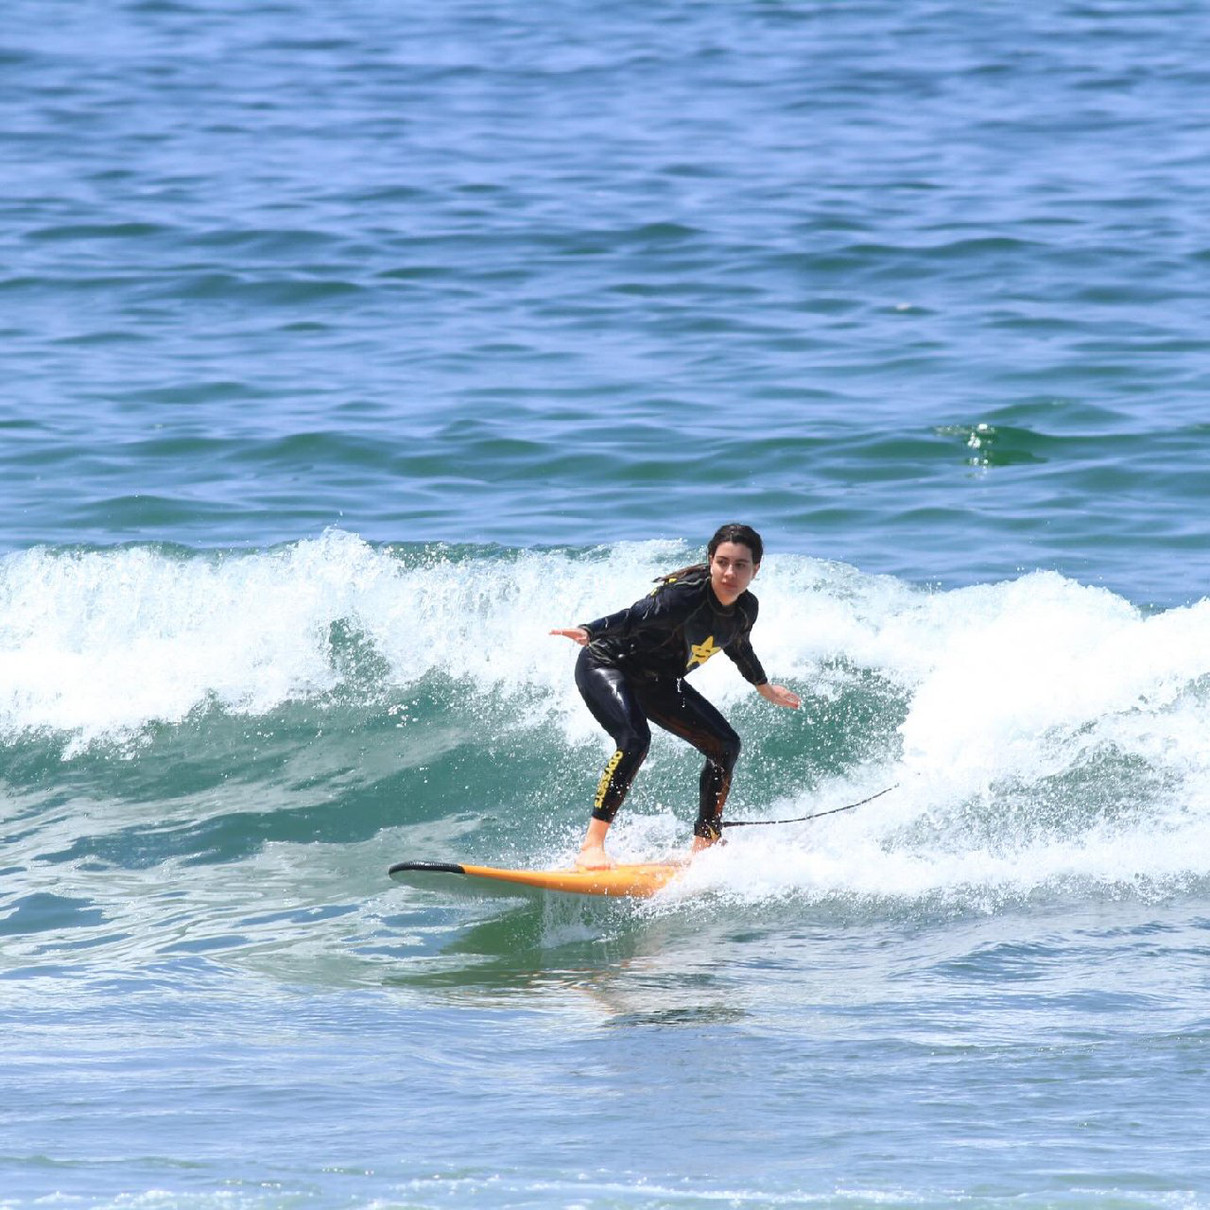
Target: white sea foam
<point>104,642</point>
<point>100,644</point>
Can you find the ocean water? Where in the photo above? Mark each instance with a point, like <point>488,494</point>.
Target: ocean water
<point>348,349</point>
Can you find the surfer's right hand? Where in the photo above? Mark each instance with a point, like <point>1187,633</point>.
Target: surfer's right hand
<point>577,634</point>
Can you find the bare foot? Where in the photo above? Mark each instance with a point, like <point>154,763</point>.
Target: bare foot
<point>701,843</point>
<point>594,857</point>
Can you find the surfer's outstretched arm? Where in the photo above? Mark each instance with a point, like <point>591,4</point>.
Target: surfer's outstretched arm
<point>577,634</point>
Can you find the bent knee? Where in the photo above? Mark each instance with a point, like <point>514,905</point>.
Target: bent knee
<point>729,750</point>
<point>633,743</point>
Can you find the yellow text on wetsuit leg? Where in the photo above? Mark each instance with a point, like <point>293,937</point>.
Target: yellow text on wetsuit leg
<point>606,778</point>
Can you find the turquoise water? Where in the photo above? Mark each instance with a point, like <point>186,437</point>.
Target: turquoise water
<point>345,351</point>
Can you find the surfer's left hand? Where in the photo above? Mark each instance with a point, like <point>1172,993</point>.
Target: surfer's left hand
<point>779,695</point>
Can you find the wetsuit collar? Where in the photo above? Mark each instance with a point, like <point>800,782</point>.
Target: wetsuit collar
<point>717,604</point>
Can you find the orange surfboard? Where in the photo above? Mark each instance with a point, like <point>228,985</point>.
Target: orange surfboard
<point>620,882</point>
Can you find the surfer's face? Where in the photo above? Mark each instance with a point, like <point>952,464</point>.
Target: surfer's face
<point>731,570</point>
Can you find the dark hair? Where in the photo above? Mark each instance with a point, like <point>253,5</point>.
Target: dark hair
<point>743,535</point>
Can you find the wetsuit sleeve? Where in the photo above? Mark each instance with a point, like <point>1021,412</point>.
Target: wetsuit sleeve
<point>613,623</point>
<point>666,608</point>
<point>740,649</point>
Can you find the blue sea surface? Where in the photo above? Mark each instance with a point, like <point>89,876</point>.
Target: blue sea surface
<point>346,350</point>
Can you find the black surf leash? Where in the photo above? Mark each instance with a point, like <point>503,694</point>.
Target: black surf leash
<point>756,823</point>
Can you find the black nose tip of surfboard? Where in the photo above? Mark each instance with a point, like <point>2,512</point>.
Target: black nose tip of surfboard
<point>427,867</point>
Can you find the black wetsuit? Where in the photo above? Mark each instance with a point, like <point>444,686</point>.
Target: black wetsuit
<point>633,670</point>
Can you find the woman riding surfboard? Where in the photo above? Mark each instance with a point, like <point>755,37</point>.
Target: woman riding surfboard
<point>632,672</point>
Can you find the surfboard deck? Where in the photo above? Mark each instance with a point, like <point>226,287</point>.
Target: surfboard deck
<point>621,882</point>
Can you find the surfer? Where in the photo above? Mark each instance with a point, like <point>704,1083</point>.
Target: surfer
<point>633,667</point>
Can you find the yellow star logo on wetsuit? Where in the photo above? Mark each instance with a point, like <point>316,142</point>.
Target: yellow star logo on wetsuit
<point>702,651</point>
